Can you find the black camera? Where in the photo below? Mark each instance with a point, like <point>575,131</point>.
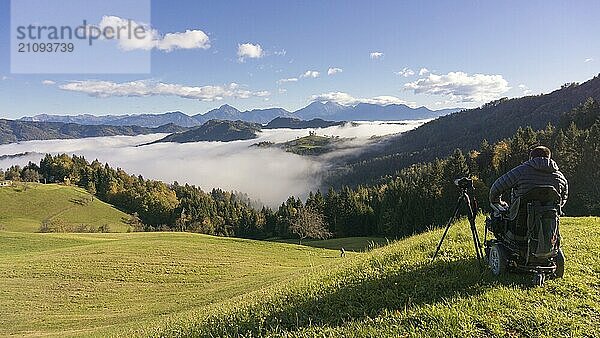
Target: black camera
<point>464,183</point>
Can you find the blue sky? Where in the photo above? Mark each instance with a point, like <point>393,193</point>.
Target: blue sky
<point>473,51</point>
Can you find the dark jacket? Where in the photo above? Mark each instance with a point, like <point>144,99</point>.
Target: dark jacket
<point>536,172</point>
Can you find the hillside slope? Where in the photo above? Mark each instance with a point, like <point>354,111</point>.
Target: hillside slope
<point>26,206</point>
<point>216,130</point>
<point>18,131</point>
<point>396,291</point>
<point>464,130</point>
<point>101,284</point>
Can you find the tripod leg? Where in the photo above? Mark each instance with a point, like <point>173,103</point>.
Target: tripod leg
<point>476,242</point>
<point>450,221</point>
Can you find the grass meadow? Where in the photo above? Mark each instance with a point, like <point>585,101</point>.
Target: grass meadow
<point>190,285</point>
<point>26,205</point>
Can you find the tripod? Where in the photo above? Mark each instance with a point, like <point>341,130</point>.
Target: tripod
<point>471,210</point>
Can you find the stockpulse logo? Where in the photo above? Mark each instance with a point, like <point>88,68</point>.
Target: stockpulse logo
<point>75,36</point>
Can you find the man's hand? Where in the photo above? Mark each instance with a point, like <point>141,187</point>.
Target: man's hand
<point>500,207</point>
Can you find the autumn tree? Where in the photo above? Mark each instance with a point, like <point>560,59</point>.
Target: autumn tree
<point>309,224</point>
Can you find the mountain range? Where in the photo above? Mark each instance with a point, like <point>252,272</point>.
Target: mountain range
<point>322,110</point>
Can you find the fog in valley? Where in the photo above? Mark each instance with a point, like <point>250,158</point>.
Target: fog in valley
<point>266,174</point>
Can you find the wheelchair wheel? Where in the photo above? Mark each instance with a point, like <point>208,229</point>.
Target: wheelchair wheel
<point>497,260</point>
<point>560,264</point>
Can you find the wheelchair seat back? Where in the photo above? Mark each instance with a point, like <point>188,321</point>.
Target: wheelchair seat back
<point>537,223</point>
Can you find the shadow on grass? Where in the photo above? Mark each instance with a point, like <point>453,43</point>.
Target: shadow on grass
<point>358,298</point>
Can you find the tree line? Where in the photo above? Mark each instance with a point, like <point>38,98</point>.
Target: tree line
<point>494,121</point>
<point>415,199</point>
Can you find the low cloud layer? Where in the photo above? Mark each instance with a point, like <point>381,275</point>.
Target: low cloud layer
<point>460,86</point>
<point>346,99</point>
<point>270,175</point>
<point>97,88</point>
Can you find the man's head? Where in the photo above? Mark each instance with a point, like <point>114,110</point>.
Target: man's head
<point>540,151</point>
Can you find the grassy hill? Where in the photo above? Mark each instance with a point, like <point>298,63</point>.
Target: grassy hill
<point>100,284</point>
<point>311,145</point>
<point>26,205</point>
<point>178,284</point>
<point>396,291</point>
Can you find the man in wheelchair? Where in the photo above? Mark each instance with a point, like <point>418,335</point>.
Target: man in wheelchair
<point>527,231</point>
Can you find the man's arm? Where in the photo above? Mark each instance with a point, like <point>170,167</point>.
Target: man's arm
<point>564,194</point>
<point>503,184</point>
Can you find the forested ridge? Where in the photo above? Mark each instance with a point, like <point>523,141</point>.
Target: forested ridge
<point>216,130</point>
<point>418,197</point>
<point>18,131</point>
<point>463,130</point>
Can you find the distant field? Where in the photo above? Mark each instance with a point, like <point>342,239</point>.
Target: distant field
<point>27,205</point>
<point>357,244</point>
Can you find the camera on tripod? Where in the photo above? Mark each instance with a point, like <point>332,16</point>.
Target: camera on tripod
<point>464,183</point>
<point>467,189</point>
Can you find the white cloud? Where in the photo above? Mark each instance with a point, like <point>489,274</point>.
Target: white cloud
<point>346,99</point>
<point>282,90</point>
<point>310,73</point>
<point>282,52</point>
<point>262,93</point>
<point>376,55</point>
<point>386,100</point>
<point>461,86</point>
<point>292,79</point>
<point>152,39</point>
<point>190,39</point>
<point>588,60</point>
<point>48,82</point>
<point>4,78</point>
<point>423,71</point>
<point>406,72</point>
<point>334,70</point>
<point>150,88</point>
<point>248,50</point>
<point>525,89</point>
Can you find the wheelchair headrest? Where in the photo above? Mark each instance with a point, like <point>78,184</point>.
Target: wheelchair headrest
<point>543,194</point>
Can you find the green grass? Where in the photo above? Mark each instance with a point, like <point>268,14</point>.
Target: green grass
<point>99,284</point>
<point>27,205</point>
<point>178,284</point>
<point>312,145</point>
<point>357,244</point>
<point>397,291</point>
